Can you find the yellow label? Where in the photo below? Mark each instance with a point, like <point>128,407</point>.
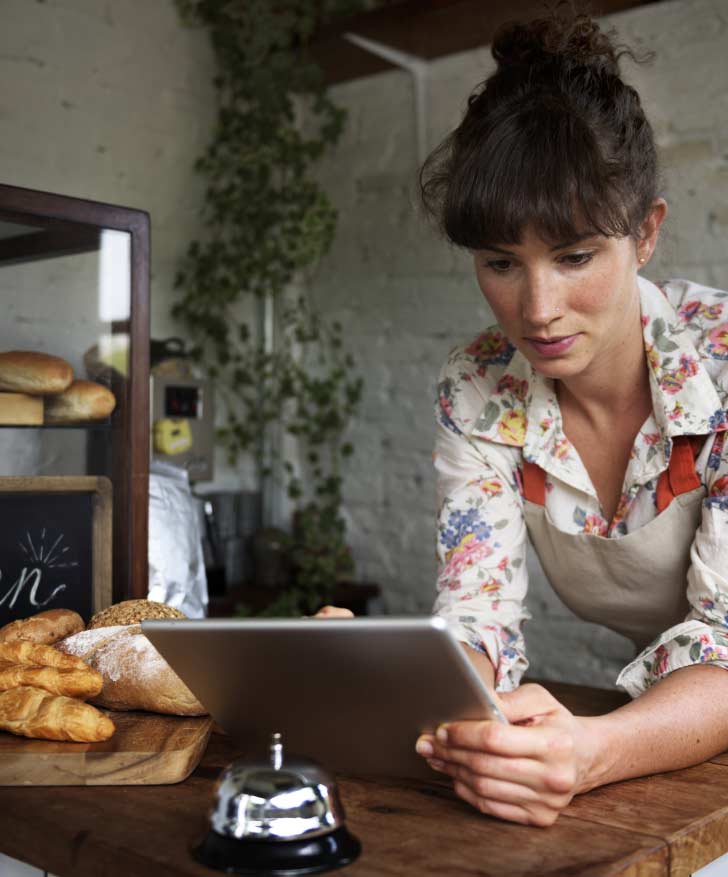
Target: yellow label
<point>172,436</point>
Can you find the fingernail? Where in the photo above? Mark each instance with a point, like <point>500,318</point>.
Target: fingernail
<point>424,747</point>
<point>436,764</point>
<point>441,734</point>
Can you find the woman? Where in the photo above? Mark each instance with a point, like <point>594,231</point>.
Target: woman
<point>590,418</point>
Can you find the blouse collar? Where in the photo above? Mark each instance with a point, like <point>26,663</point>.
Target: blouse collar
<point>522,410</point>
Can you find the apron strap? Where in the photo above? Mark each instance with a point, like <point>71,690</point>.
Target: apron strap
<point>534,483</point>
<point>679,477</point>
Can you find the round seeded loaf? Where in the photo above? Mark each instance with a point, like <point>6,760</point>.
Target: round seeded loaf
<point>132,612</point>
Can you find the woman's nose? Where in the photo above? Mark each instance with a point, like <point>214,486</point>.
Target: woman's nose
<point>540,301</point>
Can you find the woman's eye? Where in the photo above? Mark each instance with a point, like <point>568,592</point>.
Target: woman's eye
<point>577,259</point>
<point>500,266</point>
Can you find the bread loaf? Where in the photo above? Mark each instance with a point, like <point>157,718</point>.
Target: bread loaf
<point>24,371</point>
<point>136,676</point>
<point>20,409</point>
<point>46,627</point>
<point>132,612</point>
<point>82,401</point>
<point>32,712</point>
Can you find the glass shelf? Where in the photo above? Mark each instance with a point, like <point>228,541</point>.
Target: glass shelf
<point>87,427</point>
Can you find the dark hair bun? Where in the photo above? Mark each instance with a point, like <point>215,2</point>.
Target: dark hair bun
<point>553,139</point>
<point>562,38</point>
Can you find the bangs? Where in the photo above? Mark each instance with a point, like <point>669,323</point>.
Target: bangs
<point>540,167</point>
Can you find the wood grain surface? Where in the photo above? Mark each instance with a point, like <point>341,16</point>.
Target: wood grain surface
<point>146,749</point>
<point>412,828</point>
<point>663,826</point>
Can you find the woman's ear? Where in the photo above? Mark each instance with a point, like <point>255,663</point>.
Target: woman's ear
<point>650,230</point>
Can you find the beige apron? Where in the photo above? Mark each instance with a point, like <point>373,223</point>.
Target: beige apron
<point>634,584</point>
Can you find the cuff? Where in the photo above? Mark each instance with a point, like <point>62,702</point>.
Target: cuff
<point>503,647</point>
<point>686,644</point>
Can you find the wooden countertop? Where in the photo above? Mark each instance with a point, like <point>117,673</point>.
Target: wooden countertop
<point>671,824</point>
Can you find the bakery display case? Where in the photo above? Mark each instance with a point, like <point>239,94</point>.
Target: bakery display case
<point>74,393</point>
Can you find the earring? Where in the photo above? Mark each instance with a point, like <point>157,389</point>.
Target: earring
<point>642,260</point>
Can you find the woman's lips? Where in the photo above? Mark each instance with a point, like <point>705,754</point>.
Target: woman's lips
<point>554,347</point>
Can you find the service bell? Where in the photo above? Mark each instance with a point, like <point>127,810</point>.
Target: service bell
<point>280,817</point>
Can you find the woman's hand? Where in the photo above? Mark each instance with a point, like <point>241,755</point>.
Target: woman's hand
<point>333,612</point>
<point>525,772</point>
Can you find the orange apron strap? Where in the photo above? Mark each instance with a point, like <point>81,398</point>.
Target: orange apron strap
<point>680,476</point>
<point>534,483</point>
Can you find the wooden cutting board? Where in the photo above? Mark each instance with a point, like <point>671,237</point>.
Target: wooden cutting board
<point>146,749</point>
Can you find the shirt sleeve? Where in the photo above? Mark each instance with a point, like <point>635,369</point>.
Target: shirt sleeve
<point>481,547</point>
<point>703,637</point>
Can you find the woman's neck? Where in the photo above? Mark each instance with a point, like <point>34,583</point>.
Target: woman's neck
<point>615,389</point>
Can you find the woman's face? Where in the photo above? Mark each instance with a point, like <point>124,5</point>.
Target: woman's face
<point>570,307</point>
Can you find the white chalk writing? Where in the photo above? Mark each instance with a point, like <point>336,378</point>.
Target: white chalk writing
<point>30,581</point>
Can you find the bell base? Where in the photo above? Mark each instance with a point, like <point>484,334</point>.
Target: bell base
<point>278,858</point>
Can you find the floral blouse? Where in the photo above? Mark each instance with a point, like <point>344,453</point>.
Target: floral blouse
<point>493,408</point>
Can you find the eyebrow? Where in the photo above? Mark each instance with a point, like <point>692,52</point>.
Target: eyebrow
<point>560,246</point>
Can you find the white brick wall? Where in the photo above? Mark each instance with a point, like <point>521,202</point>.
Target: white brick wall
<point>408,298</point>
<point>110,100</point>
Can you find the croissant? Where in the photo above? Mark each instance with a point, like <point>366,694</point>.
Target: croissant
<point>70,683</point>
<point>21,652</point>
<point>32,712</point>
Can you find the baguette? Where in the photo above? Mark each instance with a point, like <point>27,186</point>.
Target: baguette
<point>32,712</point>
<point>24,371</point>
<point>45,628</point>
<point>136,676</point>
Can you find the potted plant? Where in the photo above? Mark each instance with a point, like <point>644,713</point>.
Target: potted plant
<point>266,221</point>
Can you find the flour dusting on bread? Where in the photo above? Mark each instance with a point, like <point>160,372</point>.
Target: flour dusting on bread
<point>136,676</point>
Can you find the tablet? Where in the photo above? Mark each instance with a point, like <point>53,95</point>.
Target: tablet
<point>352,694</point>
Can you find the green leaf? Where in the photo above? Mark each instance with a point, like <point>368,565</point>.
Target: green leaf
<point>264,219</point>
<point>682,639</point>
<point>489,416</point>
<point>665,345</point>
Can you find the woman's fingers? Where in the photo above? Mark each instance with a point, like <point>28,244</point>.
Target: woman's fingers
<point>526,772</point>
<point>334,612</point>
<point>488,736</point>
<point>521,771</point>
<point>488,786</point>
<point>527,703</point>
<point>535,814</point>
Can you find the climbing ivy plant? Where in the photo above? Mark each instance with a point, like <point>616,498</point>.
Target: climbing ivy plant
<point>266,220</point>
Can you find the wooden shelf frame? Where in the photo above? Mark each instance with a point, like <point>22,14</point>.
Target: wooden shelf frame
<point>59,239</point>
<point>73,225</point>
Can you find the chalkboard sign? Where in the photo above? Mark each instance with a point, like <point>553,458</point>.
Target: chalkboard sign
<point>55,545</point>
